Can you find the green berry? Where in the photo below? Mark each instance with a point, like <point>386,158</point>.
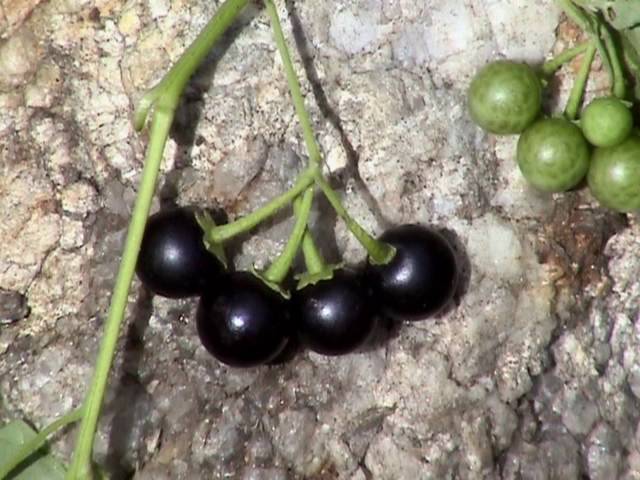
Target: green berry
<point>614,175</point>
<point>553,155</point>
<point>606,122</point>
<point>505,97</point>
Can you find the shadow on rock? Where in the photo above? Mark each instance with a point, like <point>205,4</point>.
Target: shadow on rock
<point>131,402</point>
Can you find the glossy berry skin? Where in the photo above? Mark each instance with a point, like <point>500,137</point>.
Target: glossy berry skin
<point>553,155</point>
<point>422,276</point>
<point>505,97</point>
<point>614,175</point>
<point>243,323</point>
<point>334,316</point>
<point>606,122</point>
<point>173,260</point>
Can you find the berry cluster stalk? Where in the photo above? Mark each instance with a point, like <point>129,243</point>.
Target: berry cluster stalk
<point>605,45</point>
<point>378,251</point>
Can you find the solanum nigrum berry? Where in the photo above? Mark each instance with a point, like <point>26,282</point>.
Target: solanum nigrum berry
<point>505,97</point>
<point>614,175</point>
<point>173,260</point>
<point>553,155</point>
<point>606,121</point>
<point>243,323</point>
<point>422,276</point>
<point>334,316</point>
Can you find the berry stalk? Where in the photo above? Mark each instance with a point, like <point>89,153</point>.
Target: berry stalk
<point>313,260</point>
<point>587,24</point>
<point>580,83</point>
<point>550,66</point>
<point>294,85</point>
<point>618,85</point>
<point>379,251</point>
<point>244,224</point>
<point>278,270</point>
<point>312,257</point>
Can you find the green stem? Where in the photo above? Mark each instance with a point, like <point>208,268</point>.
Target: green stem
<point>575,14</point>
<point>618,87</point>
<point>312,257</point>
<point>379,252</point>
<point>278,270</point>
<point>294,84</point>
<point>589,24</point>
<point>631,56</point>
<point>33,445</point>
<point>550,66</point>
<point>580,82</point>
<point>165,97</point>
<point>244,224</point>
<point>173,83</point>
<point>80,468</point>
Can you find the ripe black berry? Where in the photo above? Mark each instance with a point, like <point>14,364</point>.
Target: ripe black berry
<point>243,323</point>
<point>173,260</point>
<point>422,276</point>
<point>334,316</point>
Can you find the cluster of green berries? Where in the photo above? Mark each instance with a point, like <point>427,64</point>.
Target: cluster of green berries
<point>555,154</point>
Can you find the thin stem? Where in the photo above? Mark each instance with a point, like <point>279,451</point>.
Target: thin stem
<point>81,465</point>
<point>618,87</point>
<point>294,84</point>
<point>575,14</point>
<point>589,25</point>
<point>580,82</point>
<point>173,83</point>
<point>379,252</point>
<point>33,445</point>
<point>278,270</point>
<point>631,56</point>
<point>246,223</point>
<point>550,66</point>
<point>312,257</point>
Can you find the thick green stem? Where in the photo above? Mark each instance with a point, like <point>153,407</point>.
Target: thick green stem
<point>294,84</point>
<point>312,257</point>
<point>33,445</point>
<point>379,252</point>
<point>580,82</point>
<point>244,224</point>
<point>550,66</point>
<point>164,98</point>
<point>80,468</point>
<point>172,84</point>
<point>278,270</point>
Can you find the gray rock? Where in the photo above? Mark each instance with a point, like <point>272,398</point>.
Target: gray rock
<point>13,306</point>
<point>533,372</point>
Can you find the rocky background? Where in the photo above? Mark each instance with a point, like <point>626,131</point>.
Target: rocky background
<point>535,372</point>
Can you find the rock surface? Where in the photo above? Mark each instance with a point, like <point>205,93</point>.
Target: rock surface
<point>534,373</point>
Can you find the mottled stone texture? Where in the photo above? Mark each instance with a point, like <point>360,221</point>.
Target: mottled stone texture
<point>535,372</point>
